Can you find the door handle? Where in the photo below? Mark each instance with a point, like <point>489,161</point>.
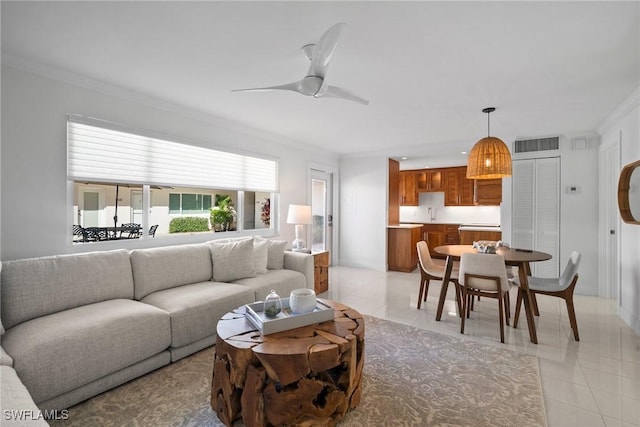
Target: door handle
<point>330,220</point>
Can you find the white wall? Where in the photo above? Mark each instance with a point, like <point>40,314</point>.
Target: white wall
<point>363,212</point>
<point>579,212</point>
<point>36,214</point>
<point>624,127</point>
<point>448,214</point>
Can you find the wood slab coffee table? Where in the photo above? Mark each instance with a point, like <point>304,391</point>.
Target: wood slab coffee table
<point>305,376</point>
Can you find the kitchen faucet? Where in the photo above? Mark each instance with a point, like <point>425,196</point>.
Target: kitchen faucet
<point>430,213</point>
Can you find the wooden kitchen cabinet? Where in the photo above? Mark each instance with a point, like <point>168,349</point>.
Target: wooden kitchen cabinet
<point>438,235</point>
<point>458,190</point>
<point>488,192</point>
<point>430,180</point>
<point>467,237</point>
<point>401,247</point>
<point>408,189</point>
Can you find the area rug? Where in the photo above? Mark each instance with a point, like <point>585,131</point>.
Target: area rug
<point>412,377</point>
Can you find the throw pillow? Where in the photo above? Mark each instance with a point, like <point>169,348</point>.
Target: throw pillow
<point>232,260</point>
<point>260,255</point>
<point>275,255</point>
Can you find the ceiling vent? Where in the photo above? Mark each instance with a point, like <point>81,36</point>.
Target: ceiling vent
<point>542,144</point>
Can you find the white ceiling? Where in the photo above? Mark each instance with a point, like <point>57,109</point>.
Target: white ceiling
<point>428,68</point>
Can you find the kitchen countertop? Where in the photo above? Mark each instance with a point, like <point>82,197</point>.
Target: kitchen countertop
<point>435,222</point>
<point>479,227</point>
<point>462,226</point>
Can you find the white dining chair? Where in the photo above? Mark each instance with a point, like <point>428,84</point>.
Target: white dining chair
<point>561,287</point>
<point>429,270</point>
<point>484,275</point>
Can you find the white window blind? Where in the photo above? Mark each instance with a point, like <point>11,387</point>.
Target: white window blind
<point>107,154</point>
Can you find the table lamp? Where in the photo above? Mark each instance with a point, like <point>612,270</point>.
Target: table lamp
<point>299,215</point>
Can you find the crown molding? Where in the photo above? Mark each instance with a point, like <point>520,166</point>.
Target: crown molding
<point>631,102</point>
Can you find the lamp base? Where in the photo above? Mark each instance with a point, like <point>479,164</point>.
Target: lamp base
<point>298,244</point>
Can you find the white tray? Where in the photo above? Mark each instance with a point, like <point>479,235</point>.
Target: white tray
<point>286,320</point>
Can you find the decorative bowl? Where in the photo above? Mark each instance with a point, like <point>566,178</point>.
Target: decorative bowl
<point>302,300</point>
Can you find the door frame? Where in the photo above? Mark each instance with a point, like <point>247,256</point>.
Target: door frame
<point>609,168</point>
<point>333,247</point>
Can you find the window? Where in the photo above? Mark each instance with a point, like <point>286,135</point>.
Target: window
<point>187,203</point>
<point>122,177</point>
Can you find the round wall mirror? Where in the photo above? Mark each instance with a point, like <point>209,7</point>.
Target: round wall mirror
<point>629,193</point>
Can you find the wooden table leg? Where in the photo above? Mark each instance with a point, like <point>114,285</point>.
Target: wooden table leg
<point>528,303</point>
<point>445,287</point>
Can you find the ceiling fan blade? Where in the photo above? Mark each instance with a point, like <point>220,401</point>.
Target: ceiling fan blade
<point>295,86</point>
<point>323,50</point>
<point>336,92</point>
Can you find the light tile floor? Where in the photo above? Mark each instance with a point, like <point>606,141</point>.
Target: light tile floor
<point>593,382</point>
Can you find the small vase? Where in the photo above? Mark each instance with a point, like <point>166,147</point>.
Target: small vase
<point>302,301</point>
<point>272,305</point>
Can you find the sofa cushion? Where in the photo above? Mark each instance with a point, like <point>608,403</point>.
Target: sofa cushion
<point>5,359</point>
<point>196,308</point>
<point>275,256</point>
<point>260,255</point>
<point>62,351</point>
<point>232,260</point>
<point>161,268</point>
<point>17,400</point>
<point>282,281</point>
<point>37,287</point>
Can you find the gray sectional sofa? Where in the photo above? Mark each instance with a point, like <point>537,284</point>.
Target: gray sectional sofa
<point>77,325</point>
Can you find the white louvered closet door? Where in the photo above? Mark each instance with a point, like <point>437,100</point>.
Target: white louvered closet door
<point>536,211</point>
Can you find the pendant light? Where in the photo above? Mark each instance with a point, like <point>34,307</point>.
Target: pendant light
<point>490,157</point>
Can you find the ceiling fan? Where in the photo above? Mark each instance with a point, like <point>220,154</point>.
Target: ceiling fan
<point>314,83</point>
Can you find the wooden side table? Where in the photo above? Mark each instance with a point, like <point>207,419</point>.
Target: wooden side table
<point>304,376</point>
<point>321,271</point>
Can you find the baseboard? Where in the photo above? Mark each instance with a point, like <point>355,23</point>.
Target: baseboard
<point>630,319</point>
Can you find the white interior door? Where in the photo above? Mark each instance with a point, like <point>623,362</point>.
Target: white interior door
<point>610,262</point>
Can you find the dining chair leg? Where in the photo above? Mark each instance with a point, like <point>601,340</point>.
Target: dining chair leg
<point>426,290</point>
<point>572,316</point>
<point>464,309</point>
<point>507,309</point>
<point>501,316</point>
<point>459,297</point>
<point>423,284</point>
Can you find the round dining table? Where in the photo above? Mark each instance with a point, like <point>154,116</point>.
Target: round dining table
<point>515,257</point>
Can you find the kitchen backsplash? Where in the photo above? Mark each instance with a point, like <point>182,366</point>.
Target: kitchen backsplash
<point>448,214</point>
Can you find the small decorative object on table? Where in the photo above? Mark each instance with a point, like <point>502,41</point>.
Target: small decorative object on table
<point>487,246</point>
<point>302,300</point>
<point>286,319</point>
<point>272,305</point>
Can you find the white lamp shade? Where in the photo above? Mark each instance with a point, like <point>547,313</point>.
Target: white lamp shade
<point>299,214</point>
